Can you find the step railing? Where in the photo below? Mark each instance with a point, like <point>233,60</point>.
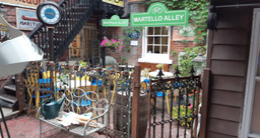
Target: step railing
<point>75,15</point>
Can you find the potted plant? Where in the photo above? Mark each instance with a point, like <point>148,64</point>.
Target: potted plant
<point>112,43</point>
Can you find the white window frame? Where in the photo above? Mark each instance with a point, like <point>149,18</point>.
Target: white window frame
<point>152,57</point>
<point>245,126</point>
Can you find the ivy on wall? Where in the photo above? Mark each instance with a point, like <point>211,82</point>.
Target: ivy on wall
<point>198,14</point>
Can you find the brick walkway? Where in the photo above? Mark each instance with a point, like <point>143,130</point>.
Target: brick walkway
<point>28,127</point>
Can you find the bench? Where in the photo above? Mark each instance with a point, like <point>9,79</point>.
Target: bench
<point>79,102</point>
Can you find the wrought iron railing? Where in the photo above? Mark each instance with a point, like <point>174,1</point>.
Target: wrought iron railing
<point>75,14</point>
<point>174,106</point>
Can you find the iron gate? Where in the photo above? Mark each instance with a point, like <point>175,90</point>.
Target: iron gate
<point>174,106</point>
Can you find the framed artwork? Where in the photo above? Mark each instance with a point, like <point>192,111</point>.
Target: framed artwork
<point>26,19</point>
<point>186,32</point>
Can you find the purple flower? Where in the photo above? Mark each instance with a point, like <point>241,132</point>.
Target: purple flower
<point>190,100</point>
<point>184,96</point>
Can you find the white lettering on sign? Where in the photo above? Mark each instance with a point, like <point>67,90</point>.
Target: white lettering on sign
<point>158,18</point>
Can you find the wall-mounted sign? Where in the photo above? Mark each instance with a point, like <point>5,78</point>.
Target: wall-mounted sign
<point>186,32</point>
<point>115,2</point>
<point>115,21</point>
<point>134,35</point>
<point>30,3</point>
<point>26,19</point>
<point>158,15</point>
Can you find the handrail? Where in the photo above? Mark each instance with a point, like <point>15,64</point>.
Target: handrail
<point>75,14</point>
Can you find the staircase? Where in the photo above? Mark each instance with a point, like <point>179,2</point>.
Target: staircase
<point>8,94</point>
<point>75,15</point>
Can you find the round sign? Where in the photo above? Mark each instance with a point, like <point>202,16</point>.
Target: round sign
<point>49,13</point>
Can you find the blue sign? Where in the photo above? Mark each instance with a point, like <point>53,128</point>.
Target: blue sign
<point>134,35</point>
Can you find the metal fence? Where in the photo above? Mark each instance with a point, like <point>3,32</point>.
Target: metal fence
<point>114,86</point>
<point>174,106</point>
<point>160,107</point>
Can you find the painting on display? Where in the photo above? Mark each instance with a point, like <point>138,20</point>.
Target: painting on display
<point>115,2</point>
<point>185,32</point>
<point>26,19</point>
<point>75,47</point>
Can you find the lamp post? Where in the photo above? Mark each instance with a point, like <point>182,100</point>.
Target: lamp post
<point>200,63</point>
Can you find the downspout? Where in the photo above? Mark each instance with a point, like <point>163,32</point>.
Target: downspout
<point>127,10</point>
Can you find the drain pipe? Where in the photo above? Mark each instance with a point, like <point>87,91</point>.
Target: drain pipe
<point>127,10</point>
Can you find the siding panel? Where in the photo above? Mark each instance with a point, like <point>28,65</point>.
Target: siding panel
<point>216,135</point>
<point>231,21</point>
<point>232,68</point>
<point>227,52</point>
<point>230,36</point>
<point>225,112</point>
<point>223,127</point>
<point>228,83</point>
<point>227,98</point>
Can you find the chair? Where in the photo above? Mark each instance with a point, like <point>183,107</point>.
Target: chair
<point>160,94</point>
<point>35,91</point>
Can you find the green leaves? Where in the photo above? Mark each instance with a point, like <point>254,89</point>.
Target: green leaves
<point>198,13</point>
<point>185,61</point>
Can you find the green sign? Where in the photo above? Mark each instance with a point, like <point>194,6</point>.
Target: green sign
<point>158,15</point>
<point>115,21</point>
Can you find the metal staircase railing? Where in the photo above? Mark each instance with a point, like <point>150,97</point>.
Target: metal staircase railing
<point>75,14</point>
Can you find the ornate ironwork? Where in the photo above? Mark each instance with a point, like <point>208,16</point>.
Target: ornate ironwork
<point>174,103</point>
<point>75,14</point>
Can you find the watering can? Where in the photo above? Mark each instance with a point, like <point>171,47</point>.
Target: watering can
<point>50,107</point>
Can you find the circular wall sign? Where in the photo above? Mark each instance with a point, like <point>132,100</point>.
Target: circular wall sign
<point>187,31</point>
<point>49,13</point>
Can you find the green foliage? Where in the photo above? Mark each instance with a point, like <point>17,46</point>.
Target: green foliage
<point>198,14</point>
<point>185,61</point>
<point>126,38</point>
<point>82,63</point>
<point>182,114</point>
<point>124,60</point>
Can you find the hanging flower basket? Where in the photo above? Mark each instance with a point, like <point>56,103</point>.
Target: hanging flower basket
<point>112,44</point>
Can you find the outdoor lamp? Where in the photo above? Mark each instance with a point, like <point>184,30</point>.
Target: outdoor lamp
<point>200,63</point>
<point>17,52</point>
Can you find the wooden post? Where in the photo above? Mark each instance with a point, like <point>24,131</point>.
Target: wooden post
<point>204,108</point>
<point>20,92</point>
<point>135,102</point>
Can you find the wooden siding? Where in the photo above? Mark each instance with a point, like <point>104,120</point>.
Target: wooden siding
<point>228,61</point>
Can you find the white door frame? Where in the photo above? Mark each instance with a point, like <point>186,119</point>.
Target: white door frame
<point>251,74</point>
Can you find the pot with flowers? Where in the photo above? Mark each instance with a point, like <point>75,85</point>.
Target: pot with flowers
<point>112,44</point>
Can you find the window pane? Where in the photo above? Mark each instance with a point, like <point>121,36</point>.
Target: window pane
<point>165,40</point>
<point>150,31</point>
<point>150,40</point>
<point>157,49</point>
<point>150,49</point>
<point>165,30</point>
<point>157,40</point>
<point>157,30</point>
<point>164,49</point>
<point>256,110</point>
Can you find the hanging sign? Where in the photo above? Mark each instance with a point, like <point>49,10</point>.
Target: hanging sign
<point>115,2</point>
<point>115,21</point>
<point>158,15</point>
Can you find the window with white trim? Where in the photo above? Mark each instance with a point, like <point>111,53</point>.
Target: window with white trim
<point>156,44</point>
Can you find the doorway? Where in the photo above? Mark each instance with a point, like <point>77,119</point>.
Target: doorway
<point>80,48</point>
